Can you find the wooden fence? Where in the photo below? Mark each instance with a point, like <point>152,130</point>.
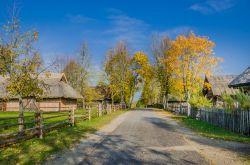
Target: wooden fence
<point>40,123</point>
<point>236,121</point>
<point>179,108</point>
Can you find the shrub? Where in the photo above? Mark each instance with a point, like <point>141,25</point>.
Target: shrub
<point>243,100</point>
<point>228,102</point>
<point>200,101</point>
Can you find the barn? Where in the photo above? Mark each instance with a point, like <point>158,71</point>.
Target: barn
<point>242,81</point>
<point>215,86</point>
<point>58,95</point>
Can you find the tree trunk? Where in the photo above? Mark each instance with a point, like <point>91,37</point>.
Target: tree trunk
<point>21,116</point>
<point>167,99</point>
<point>131,100</point>
<point>188,95</point>
<point>112,101</point>
<point>164,102</point>
<point>122,97</point>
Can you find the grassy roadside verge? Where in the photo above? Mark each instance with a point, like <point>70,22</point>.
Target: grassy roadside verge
<point>37,150</point>
<point>209,130</point>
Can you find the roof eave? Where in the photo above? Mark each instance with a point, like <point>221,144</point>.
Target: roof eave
<point>239,85</point>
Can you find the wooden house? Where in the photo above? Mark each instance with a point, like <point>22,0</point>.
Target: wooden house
<point>58,95</point>
<point>215,86</point>
<point>242,81</point>
<point>103,94</point>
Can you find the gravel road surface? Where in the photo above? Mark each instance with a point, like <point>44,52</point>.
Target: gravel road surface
<point>136,137</point>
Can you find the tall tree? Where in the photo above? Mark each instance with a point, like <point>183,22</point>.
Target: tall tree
<point>117,68</point>
<point>145,70</point>
<point>195,59</point>
<point>84,61</point>
<point>73,70</point>
<point>19,62</point>
<point>77,70</point>
<point>165,63</point>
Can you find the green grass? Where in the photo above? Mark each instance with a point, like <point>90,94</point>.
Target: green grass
<point>37,150</point>
<point>29,117</point>
<point>211,131</point>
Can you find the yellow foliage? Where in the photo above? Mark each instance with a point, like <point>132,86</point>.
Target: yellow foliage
<point>195,59</point>
<point>144,69</point>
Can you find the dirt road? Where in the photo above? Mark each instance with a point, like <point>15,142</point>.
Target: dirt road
<point>144,137</point>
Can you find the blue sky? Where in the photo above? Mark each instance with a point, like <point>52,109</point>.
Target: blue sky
<point>64,24</point>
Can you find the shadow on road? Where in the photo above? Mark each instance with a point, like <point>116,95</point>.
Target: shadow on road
<point>116,150</point>
<point>161,123</point>
<point>242,149</point>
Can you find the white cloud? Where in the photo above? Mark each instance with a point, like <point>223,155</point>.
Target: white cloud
<point>173,32</point>
<point>212,6</point>
<point>132,30</point>
<point>80,19</point>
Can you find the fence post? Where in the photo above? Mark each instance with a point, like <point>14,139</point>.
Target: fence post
<point>99,110</point>
<point>21,122</point>
<point>188,110</point>
<point>89,112</point>
<point>109,108</point>
<point>39,123</point>
<point>72,116</point>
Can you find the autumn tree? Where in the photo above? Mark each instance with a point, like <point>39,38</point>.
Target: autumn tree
<point>73,70</point>
<point>165,63</point>
<point>77,71</point>
<point>117,68</point>
<point>84,61</point>
<point>20,63</point>
<point>134,81</point>
<point>195,59</point>
<point>145,70</point>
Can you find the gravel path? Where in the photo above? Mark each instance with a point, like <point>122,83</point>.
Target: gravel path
<point>139,137</point>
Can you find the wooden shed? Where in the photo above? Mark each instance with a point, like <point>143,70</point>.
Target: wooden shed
<point>242,81</point>
<point>58,95</point>
<point>215,86</point>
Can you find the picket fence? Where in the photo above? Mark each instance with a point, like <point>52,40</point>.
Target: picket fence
<point>236,121</point>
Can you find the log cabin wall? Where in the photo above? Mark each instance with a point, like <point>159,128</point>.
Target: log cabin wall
<point>67,104</point>
<point>12,105</point>
<point>57,104</point>
<point>50,104</point>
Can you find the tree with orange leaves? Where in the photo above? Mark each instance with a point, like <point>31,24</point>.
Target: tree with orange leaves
<point>145,70</point>
<point>195,59</point>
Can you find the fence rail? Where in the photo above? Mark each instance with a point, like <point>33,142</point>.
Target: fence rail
<point>40,123</point>
<point>236,121</point>
<point>179,108</point>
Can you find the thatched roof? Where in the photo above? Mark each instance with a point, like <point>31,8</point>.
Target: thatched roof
<point>219,84</point>
<point>241,80</point>
<point>103,93</point>
<point>56,86</point>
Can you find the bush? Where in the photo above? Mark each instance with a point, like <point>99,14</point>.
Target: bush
<point>140,104</point>
<point>240,97</point>
<point>200,101</point>
<point>228,102</point>
<point>243,100</point>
